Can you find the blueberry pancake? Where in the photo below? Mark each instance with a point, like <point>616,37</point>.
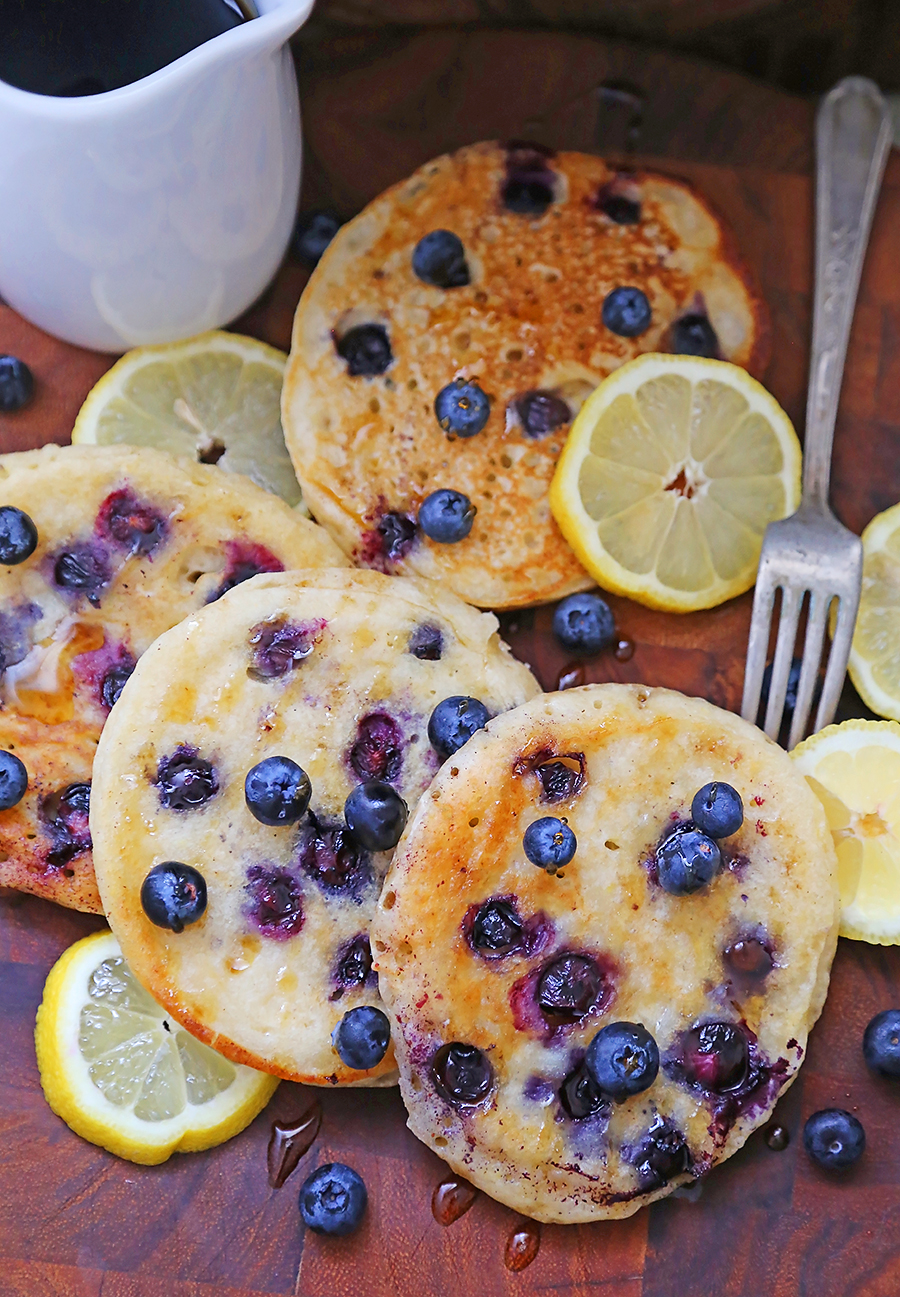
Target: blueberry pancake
<point>269,744</point>
<point>104,548</point>
<point>451,332</point>
<point>602,942</point>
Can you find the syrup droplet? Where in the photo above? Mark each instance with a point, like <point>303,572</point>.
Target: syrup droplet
<point>777,1137</point>
<point>451,1199</point>
<point>570,677</point>
<point>522,1245</point>
<point>289,1141</point>
<point>624,650</point>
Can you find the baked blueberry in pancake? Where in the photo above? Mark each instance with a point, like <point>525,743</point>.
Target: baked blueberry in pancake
<point>275,743</point>
<point>102,549</point>
<point>451,332</point>
<point>586,1013</point>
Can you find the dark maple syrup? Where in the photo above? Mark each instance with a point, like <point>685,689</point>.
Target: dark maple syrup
<point>777,1136</point>
<point>451,1199</point>
<point>289,1141</point>
<point>571,677</point>
<point>522,1246</point>
<point>71,48</point>
<point>624,650</point>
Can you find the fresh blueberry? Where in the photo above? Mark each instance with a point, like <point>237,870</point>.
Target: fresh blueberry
<point>16,384</point>
<point>580,1095</point>
<point>376,815</point>
<point>693,335</point>
<point>277,791</point>
<point>362,1036</point>
<point>626,311</point>
<point>312,234</point>
<point>549,843</point>
<point>717,810</point>
<point>396,533</point>
<point>496,929</point>
<point>18,536</point>
<point>462,408</point>
<point>377,752</point>
<point>453,722</point>
<point>881,1043</point>
<point>569,987</point>
<point>461,1073</point>
<point>427,643</point>
<point>583,623</point>
<point>83,569</point>
<point>173,895</point>
<point>13,780</point>
<point>439,258</point>
<point>114,682</point>
<point>366,349</point>
<point>687,860</point>
<point>447,516</point>
<point>275,902</point>
<point>185,780</point>
<point>716,1056</point>
<point>541,413</point>
<point>623,1059</point>
<point>834,1138</point>
<point>333,1199</point>
<point>662,1154</point>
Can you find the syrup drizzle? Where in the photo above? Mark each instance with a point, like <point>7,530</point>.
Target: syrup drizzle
<point>451,1199</point>
<point>777,1137</point>
<point>522,1246</point>
<point>624,650</point>
<point>571,676</point>
<point>289,1141</point>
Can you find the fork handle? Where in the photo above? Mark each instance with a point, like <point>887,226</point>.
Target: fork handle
<point>853,136</point>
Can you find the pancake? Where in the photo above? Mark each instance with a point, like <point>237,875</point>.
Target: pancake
<point>129,541</point>
<point>282,951</point>
<point>728,980</point>
<point>524,321</point>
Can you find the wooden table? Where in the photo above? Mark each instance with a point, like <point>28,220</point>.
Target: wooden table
<point>75,1222</point>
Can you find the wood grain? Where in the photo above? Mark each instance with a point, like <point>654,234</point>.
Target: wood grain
<point>74,1222</point>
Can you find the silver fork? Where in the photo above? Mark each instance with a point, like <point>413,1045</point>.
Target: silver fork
<point>811,553</point>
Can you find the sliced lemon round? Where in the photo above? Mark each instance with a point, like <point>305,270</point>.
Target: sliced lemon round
<point>673,469</point>
<point>124,1075</point>
<point>216,397</point>
<point>854,769</point>
<point>874,664</point>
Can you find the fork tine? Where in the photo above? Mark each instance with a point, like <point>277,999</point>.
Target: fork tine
<point>784,652</point>
<point>817,616</point>
<point>837,661</point>
<point>758,643</point>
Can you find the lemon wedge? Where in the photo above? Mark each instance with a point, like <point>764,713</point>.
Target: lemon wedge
<point>216,398</point>
<point>874,664</point>
<point>854,769</point>
<point>125,1076</point>
<point>671,472</point>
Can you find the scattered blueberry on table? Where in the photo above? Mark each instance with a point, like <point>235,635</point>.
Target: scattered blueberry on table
<point>333,1199</point>
<point>881,1043</point>
<point>834,1138</point>
<point>16,384</point>
<point>173,895</point>
<point>583,623</point>
<point>313,233</point>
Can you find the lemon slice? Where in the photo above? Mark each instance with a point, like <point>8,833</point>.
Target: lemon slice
<point>125,1076</point>
<point>854,768</point>
<point>216,397</point>
<point>874,664</point>
<point>669,477</point>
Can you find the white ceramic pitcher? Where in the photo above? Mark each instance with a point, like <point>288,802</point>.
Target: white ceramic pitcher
<point>160,209</point>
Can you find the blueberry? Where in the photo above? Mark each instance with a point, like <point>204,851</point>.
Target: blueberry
<point>354,963</point>
<point>18,536</point>
<point>583,623</point>
<point>621,210</point>
<point>13,780</point>
<point>114,682</point>
<point>626,311</point>
<point>549,843</point>
<point>447,516</point>
<point>67,815</point>
<point>377,752</point>
<point>496,930</point>
<point>279,646</point>
<point>717,810</point>
<point>580,1095</point>
<point>561,782</point>
<point>83,569</point>
<point>312,234</point>
<point>366,349</point>
<point>541,413</point>
<point>439,258</point>
<point>453,722</point>
<point>396,533</point>
<point>687,860</point>
<point>790,697</point>
<point>427,643</point>
<point>461,1073</point>
<point>333,1199</point>
<point>569,987</point>
<point>662,1154</point>
<point>275,902</point>
<point>277,791</point>
<point>528,189</point>
<point>130,523</point>
<point>173,895</point>
<point>881,1043</point>
<point>329,854</point>
<point>834,1138</point>
<point>376,815</point>
<point>362,1036</point>
<point>185,780</point>
<point>693,335</point>
<point>716,1056</point>
<point>623,1059</point>
<point>462,408</point>
<point>16,384</point>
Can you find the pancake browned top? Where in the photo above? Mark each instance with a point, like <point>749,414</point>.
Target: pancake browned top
<point>369,449</point>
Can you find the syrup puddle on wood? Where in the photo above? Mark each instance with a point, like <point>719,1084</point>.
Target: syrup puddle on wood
<point>451,1199</point>
<point>289,1141</point>
<point>522,1246</point>
<point>624,650</point>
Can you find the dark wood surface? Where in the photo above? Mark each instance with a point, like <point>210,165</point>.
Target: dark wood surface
<point>75,1222</point>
